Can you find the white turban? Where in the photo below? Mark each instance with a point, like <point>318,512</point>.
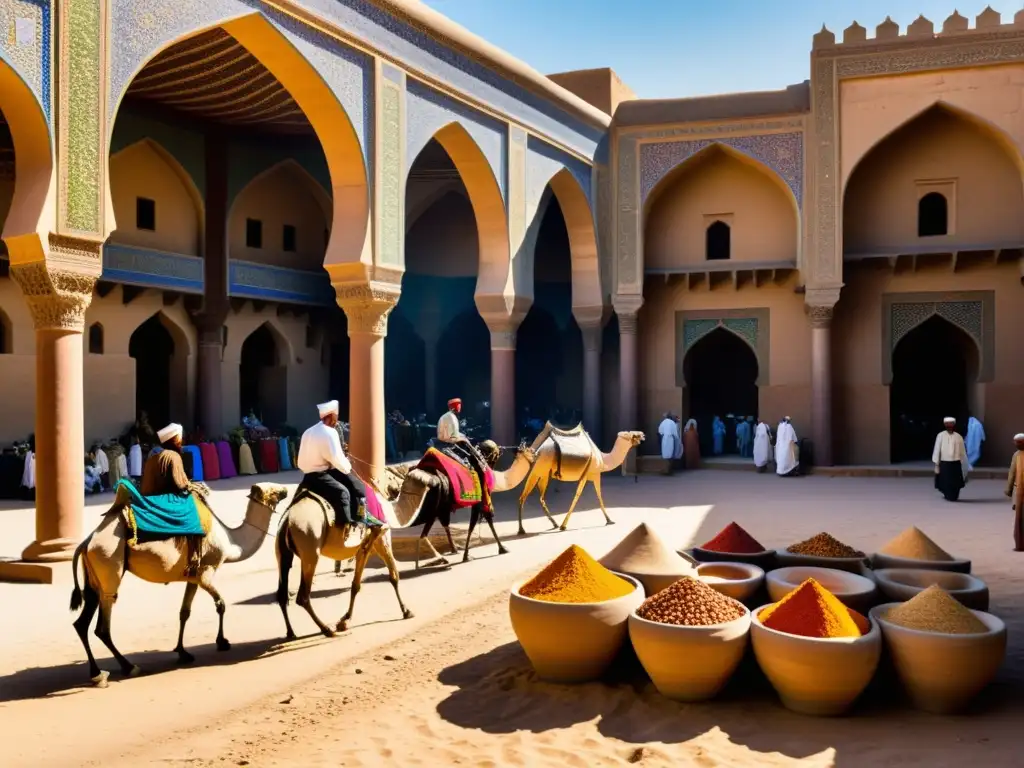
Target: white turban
<point>949,420</point>
<point>327,408</point>
<point>1019,436</point>
<point>170,431</point>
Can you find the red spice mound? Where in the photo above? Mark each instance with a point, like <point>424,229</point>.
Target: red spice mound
<point>732,538</point>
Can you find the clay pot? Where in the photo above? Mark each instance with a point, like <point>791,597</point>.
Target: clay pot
<point>943,673</point>
<point>857,565</point>
<point>901,584</point>
<point>739,581</point>
<point>572,642</point>
<point>853,591</point>
<point>763,560</point>
<point>879,561</point>
<point>689,663</point>
<point>816,676</point>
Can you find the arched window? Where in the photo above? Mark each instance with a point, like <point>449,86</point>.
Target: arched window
<point>717,241</point>
<point>95,339</point>
<point>932,215</point>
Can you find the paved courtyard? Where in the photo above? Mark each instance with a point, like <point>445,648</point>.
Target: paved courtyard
<point>41,660</point>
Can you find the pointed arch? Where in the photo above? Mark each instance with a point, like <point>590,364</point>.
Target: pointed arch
<point>290,165</point>
<point>579,221</point>
<point>285,350</point>
<point>177,331</point>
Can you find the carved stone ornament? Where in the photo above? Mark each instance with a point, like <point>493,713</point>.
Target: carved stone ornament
<point>367,307</point>
<point>820,317</point>
<point>627,308</point>
<point>58,288</point>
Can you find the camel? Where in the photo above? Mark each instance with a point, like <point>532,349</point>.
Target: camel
<point>106,556</point>
<point>572,456</point>
<point>427,497</point>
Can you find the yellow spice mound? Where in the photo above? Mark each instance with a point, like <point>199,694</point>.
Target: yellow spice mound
<point>810,610</point>
<point>914,545</point>
<point>575,577</point>
<point>935,610</point>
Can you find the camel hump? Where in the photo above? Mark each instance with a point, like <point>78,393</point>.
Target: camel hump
<point>268,494</point>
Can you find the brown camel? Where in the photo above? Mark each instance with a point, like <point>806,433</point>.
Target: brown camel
<point>427,497</point>
<point>571,456</point>
<point>106,555</point>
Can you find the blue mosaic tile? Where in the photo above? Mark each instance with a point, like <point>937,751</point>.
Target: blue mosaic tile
<point>31,62</point>
<point>543,161</point>
<point>781,152</point>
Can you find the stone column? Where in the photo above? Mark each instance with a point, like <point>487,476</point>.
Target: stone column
<point>367,309</point>
<point>627,308</point>
<point>821,382</point>
<point>592,333</point>
<point>503,381</point>
<point>209,391</point>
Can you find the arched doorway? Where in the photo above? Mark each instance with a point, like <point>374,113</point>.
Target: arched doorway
<point>721,378</point>
<point>153,348</point>
<point>263,379</point>
<point>933,369</point>
<point>467,375</point>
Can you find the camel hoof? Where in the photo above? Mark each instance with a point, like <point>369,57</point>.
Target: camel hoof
<point>502,551</point>
<point>291,636</point>
<point>135,671</point>
<point>343,625</point>
<point>610,522</point>
<point>223,645</point>
<point>466,558</point>
<point>522,532</point>
<point>328,633</point>
<point>101,680</point>
<point>562,527</point>
<point>554,525</point>
<point>407,614</point>
<point>444,561</point>
<point>184,657</point>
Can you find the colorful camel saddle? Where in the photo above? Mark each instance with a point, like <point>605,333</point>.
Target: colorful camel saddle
<point>371,507</point>
<point>162,516</point>
<point>574,450</point>
<point>467,488</point>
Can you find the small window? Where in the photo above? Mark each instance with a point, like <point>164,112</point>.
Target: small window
<point>95,339</point>
<point>717,241</point>
<point>932,215</point>
<point>145,214</point>
<point>253,233</point>
<point>288,238</point>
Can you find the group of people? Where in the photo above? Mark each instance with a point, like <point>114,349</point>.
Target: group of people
<point>679,444</point>
<point>754,440</point>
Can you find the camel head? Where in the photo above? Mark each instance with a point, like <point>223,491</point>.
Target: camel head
<point>634,438</point>
<point>526,452</point>
<point>490,451</point>
<point>268,494</point>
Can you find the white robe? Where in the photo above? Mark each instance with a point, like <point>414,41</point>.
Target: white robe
<point>102,463</point>
<point>679,444</point>
<point>668,430</point>
<point>785,449</point>
<point>762,446</point>
<point>28,476</point>
<point>949,446</point>
<point>135,461</point>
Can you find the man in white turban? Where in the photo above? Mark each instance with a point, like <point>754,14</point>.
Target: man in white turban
<point>165,471</point>
<point>328,472</point>
<point>950,459</point>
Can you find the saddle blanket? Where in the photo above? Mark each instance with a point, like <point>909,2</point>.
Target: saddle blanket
<point>466,486</point>
<point>161,516</point>
<point>573,450</point>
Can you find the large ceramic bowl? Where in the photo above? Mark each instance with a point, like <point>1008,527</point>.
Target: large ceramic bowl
<point>739,581</point>
<point>689,663</point>
<point>943,673</point>
<point>763,560</point>
<point>572,642</point>
<point>901,584</point>
<point>816,676</point>
<point>857,565</point>
<point>853,591</point>
<point>879,561</point>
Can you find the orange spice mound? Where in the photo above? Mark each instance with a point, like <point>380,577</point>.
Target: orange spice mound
<point>810,610</point>
<point>575,577</point>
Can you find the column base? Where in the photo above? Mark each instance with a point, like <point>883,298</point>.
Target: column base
<point>25,572</point>
<point>52,551</point>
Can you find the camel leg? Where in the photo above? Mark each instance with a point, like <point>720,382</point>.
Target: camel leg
<point>184,657</point>
<point>384,553</point>
<point>357,579</point>
<point>451,541</point>
<point>285,558</point>
<point>103,633</point>
<point>206,582</point>
<point>474,518</point>
<point>337,567</point>
<point>579,490</point>
<point>544,481</point>
<point>494,533</point>
<point>531,483</point>
<point>304,599</point>
<point>81,624</point>
<point>600,500</point>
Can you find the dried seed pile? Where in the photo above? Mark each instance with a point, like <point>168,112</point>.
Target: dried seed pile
<point>692,603</point>
<point>935,610</point>
<point>914,545</point>
<point>824,545</point>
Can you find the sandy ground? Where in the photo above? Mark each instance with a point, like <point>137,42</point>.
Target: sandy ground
<point>451,685</point>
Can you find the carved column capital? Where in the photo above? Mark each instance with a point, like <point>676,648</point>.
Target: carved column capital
<point>367,306</point>
<point>58,284</point>
<point>627,309</point>
<point>820,316</point>
<point>503,331</point>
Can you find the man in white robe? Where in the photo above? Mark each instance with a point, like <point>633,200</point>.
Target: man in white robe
<point>786,461</point>
<point>668,432</point>
<point>678,453</point>
<point>975,437</point>
<point>950,459</point>
<point>135,461</point>
<point>762,446</point>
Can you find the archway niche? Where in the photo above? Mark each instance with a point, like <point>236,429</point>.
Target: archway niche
<point>263,377</point>
<point>934,370</point>
<point>466,375</point>
<point>160,351</point>
<point>721,373</point>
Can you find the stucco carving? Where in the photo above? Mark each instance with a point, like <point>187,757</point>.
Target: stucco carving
<point>391,138</point>
<point>991,48</point>
<point>825,264</point>
<point>367,307</point>
<point>750,325</point>
<point>57,298</point>
<point>819,316</point>
<point>627,216</point>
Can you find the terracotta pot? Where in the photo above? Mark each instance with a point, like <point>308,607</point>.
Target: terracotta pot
<point>739,581</point>
<point>689,663</point>
<point>901,584</point>
<point>857,565</point>
<point>853,591</point>
<point>763,560</point>
<point>816,676</point>
<point>572,642</point>
<point>879,561</point>
<point>943,673</point>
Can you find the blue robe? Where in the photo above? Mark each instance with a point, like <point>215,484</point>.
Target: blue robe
<point>975,437</point>
<point>743,438</point>
<point>718,431</point>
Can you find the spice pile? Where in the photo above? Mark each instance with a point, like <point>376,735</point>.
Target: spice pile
<point>575,577</point>
<point>935,610</point>
<point>914,545</point>
<point>810,610</point>
<point>733,539</point>
<point>689,602</point>
<point>643,553</point>
<point>824,545</point>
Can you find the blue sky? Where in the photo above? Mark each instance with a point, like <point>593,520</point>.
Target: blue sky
<point>675,48</point>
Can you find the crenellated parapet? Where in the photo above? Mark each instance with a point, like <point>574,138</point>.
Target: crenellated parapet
<point>955,26</point>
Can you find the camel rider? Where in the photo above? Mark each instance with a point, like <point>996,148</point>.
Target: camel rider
<point>450,433</point>
<point>328,472</point>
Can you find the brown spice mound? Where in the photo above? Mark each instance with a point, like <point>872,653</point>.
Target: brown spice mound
<point>914,545</point>
<point>935,610</point>
<point>692,603</point>
<point>824,545</point>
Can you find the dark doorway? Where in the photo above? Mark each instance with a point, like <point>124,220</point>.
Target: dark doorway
<point>931,369</point>
<point>405,375</point>
<point>262,379</point>
<point>337,376</point>
<point>152,346</point>
<point>464,370</point>
<point>721,379</point>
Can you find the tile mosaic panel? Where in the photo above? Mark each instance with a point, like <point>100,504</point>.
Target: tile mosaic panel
<point>81,184</point>
<point>542,162</point>
<point>152,269</point>
<point>392,224</point>
<point>249,280</point>
<point>25,44</point>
